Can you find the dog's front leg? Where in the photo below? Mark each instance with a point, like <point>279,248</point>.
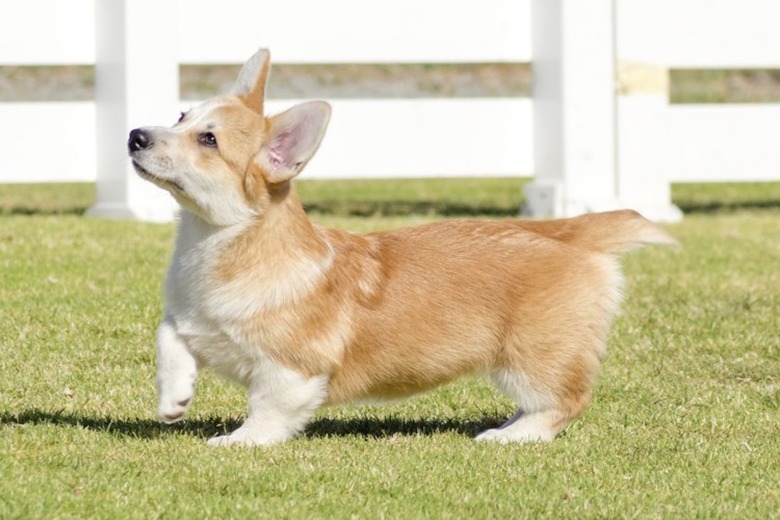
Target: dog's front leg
<point>281,403</point>
<point>176,373</point>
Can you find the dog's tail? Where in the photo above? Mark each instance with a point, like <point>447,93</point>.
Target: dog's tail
<point>609,232</point>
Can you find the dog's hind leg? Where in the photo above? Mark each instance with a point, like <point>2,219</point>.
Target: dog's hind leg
<point>281,403</point>
<point>176,374</point>
<point>549,365</point>
<point>542,413</point>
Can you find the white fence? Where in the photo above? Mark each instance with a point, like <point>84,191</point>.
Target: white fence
<point>58,141</point>
<point>719,142</point>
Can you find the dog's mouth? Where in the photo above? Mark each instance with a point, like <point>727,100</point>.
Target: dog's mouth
<point>163,183</point>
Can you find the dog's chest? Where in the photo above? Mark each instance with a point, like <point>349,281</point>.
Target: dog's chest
<point>196,303</point>
<point>214,340</point>
<point>257,310</point>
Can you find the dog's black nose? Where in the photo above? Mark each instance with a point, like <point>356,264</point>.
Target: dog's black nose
<point>139,140</point>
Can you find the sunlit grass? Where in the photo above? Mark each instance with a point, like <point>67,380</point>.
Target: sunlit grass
<point>684,422</point>
<point>402,197</point>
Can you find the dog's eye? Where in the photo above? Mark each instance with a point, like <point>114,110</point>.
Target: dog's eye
<point>181,117</point>
<point>207,139</point>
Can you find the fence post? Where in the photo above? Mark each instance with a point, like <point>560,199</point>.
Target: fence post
<point>137,84</point>
<point>643,141</point>
<point>644,166</point>
<point>594,150</point>
<point>574,108</point>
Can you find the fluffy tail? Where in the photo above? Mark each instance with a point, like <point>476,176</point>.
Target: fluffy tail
<point>608,232</point>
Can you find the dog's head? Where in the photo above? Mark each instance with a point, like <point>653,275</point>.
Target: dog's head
<point>224,160</point>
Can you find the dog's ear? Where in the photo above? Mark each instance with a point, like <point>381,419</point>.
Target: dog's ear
<point>292,138</point>
<point>250,85</point>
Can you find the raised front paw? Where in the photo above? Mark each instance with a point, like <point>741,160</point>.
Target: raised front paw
<point>173,410</point>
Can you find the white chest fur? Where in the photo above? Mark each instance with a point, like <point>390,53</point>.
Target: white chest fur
<point>190,295</point>
<point>210,313</point>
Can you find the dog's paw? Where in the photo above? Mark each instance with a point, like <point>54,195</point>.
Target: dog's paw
<point>173,410</point>
<point>494,435</point>
<point>509,434</point>
<point>222,440</point>
<point>175,397</point>
<point>248,438</point>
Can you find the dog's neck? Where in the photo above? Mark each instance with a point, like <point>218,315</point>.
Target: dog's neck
<point>285,228</point>
<point>281,239</point>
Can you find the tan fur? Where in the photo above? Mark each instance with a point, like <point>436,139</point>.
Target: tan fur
<point>386,314</point>
<point>414,308</point>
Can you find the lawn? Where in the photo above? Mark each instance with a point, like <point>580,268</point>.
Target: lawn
<point>685,421</point>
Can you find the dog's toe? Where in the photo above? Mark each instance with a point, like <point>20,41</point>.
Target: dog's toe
<point>221,440</point>
<point>170,418</point>
<point>493,435</point>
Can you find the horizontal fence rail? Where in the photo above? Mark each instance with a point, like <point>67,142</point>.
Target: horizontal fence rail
<point>707,143</point>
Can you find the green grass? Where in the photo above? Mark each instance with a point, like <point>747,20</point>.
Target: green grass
<point>443,197</point>
<point>684,423</point>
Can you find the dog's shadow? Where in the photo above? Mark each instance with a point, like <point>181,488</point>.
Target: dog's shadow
<point>368,427</point>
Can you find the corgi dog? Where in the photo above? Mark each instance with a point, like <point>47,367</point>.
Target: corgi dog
<point>304,316</point>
